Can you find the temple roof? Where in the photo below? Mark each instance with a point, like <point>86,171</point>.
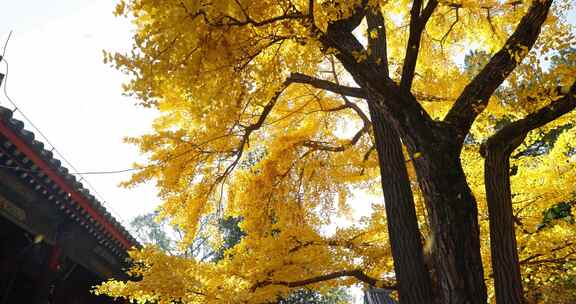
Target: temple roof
<point>26,157</point>
<point>378,296</point>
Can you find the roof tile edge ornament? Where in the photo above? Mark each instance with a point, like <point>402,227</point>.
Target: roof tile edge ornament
<point>24,140</point>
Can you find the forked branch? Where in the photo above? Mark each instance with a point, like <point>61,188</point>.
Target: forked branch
<point>418,19</point>
<point>519,128</point>
<point>475,96</point>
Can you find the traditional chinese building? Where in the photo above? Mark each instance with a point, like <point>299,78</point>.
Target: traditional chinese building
<point>56,239</point>
<point>378,296</point>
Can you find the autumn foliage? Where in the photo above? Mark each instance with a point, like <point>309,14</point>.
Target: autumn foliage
<point>284,113</point>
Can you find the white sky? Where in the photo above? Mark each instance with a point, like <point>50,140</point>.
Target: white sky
<point>57,77</point>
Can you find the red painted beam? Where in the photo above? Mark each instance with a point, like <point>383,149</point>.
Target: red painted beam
<point>62,183</point>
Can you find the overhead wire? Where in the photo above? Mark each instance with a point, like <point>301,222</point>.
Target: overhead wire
<point>53,147</point>
<point>6,45</point>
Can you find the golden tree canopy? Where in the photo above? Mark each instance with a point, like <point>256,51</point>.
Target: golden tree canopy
<point>259,120</point>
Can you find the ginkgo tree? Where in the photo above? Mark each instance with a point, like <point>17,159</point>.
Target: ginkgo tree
<point>280,111</point>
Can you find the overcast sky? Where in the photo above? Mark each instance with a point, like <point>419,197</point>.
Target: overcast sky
<point>58,79</point>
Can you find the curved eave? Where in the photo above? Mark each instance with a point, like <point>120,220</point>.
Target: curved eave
<point>34,150</point>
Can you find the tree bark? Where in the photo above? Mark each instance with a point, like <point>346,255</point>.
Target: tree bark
<point>436,146</point>
<point>453,217</point>
<point>497,151</point>
<point>412,277</point>
<point>505,265</point>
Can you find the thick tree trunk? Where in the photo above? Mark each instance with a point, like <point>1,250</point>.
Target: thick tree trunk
<point>451,206</point>
<point>412,277</point>
<point>453,219</point>
<point>452,209</point>
<point>506,268</point>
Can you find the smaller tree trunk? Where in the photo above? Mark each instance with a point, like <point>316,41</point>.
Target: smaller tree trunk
<point>505,262</point>
<point>497,151</point>
<point>413,280</point>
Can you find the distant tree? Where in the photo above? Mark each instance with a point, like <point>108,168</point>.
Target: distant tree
<point>153,231</point>
<point>231,235</point>
<point>150,231</point>
<point>307,296</point>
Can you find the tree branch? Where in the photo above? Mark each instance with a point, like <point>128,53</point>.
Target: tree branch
<point>327,85</point>
<point>323,146</point>
<point>227,20</point>
<point>339,36</point>
<point>347,102</point>
<point>456,19</point>
<point>349,91</point>
<point>317,145</point>
<point>351,22</point>
<point>356,273</point>
<point>529,259</point>
<point>248,131</point>
<point>475,96</point>
<point>418,20</point>
<point>404,110</point>
<point>377,37</point>
<point>506,137</point>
